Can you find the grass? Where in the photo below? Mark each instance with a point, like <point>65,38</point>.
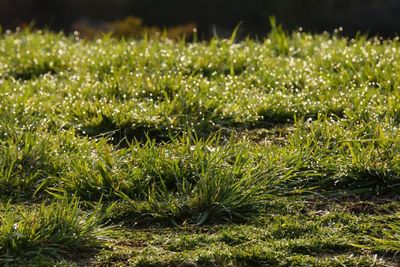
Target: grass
<point>47,230</point>
<point>278,152</point>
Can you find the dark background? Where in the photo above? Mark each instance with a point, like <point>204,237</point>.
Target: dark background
<point>367,16</point>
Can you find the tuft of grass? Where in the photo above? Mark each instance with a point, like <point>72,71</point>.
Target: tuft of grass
<point>26,163</point>
<point>194,180</point>
<point>278,38</point>
<point>57,229</point>
<point>197,180</point>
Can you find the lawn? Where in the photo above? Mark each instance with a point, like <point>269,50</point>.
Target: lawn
<point>282,151</point>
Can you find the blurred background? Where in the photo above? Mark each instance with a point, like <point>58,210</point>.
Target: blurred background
<point>209,17</point>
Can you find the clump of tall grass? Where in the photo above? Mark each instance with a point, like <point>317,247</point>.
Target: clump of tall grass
<point>278,38</point>
<point>349,159</point>
<point>26,161</point>
<point>58,229</point>
<point>198,180</point>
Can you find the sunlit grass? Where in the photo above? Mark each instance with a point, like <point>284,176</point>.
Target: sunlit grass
<point>55,230</point>
<point>172,134</point>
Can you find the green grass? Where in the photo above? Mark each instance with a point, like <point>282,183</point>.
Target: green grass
<point>54,230</point>
<point>278,152</point>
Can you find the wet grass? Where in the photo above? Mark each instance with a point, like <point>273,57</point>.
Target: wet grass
<point>281,152</point>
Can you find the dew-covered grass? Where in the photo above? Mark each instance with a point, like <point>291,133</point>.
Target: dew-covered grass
<point>278,152</point>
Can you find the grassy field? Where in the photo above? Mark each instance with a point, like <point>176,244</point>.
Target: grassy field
<point>278,152</point>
